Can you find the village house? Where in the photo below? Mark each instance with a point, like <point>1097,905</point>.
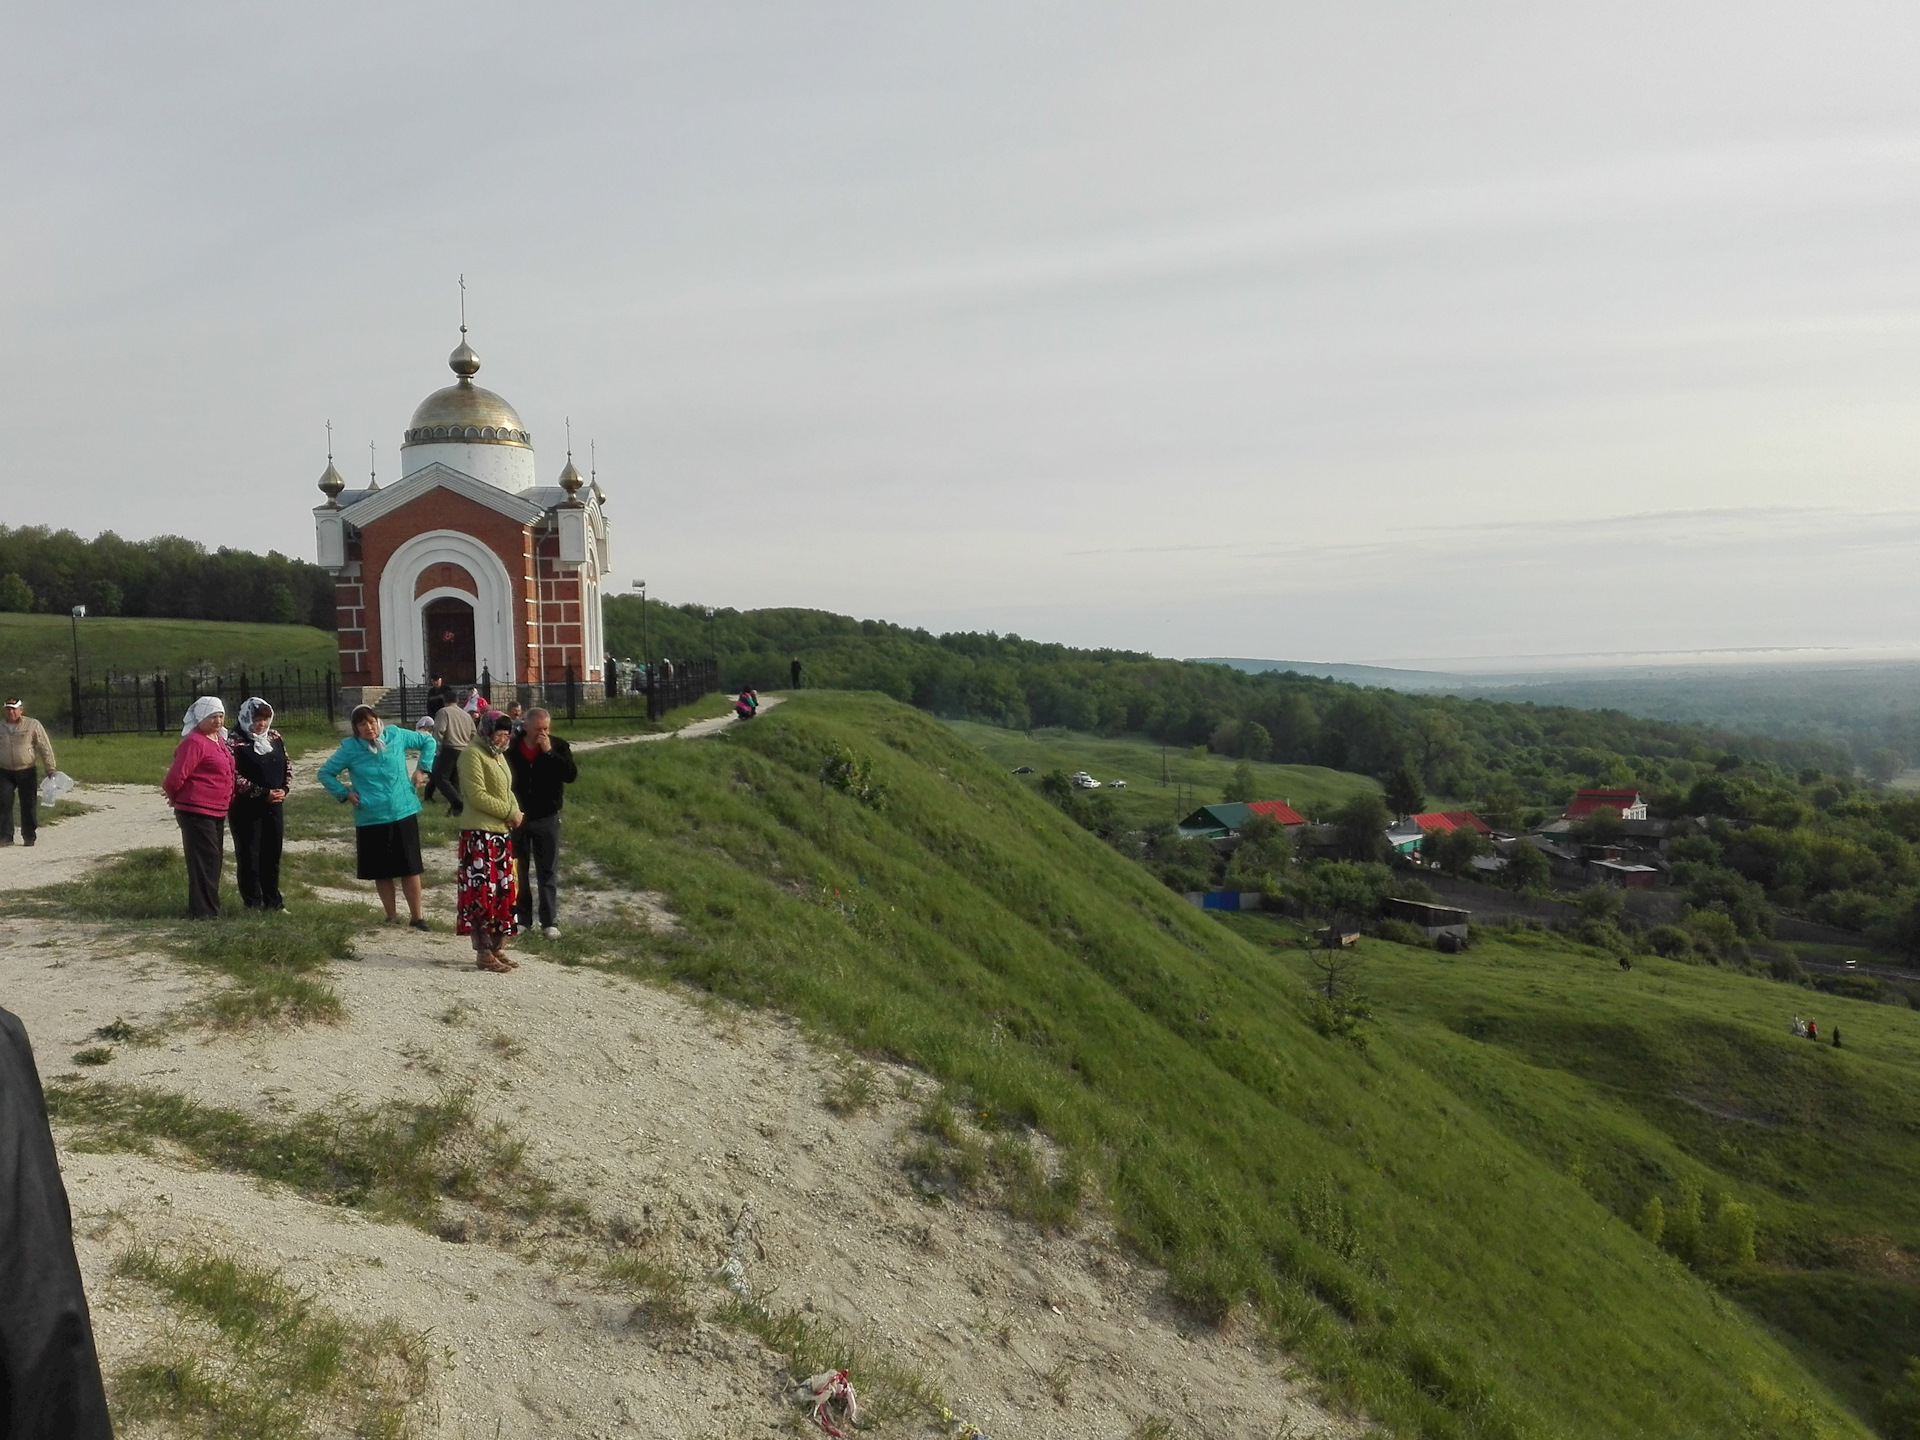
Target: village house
<point>1629,803</point>
<point>1221,822</point>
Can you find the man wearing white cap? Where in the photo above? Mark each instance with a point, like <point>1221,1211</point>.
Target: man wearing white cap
<point>22,742</point>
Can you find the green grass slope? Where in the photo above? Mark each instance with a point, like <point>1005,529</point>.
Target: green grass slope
<point>1638,1082</point>
<point>36,651</point>
<point>1161,780</point>
<point>1384,1217</point>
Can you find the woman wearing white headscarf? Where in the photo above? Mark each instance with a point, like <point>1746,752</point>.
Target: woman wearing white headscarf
<point>199,786</point>
<point>262,776</point>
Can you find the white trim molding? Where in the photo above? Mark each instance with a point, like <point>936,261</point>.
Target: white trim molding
<point>402,633</point>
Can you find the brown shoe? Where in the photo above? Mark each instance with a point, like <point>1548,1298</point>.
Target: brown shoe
<point>491,964</point>
<point>501,957</point>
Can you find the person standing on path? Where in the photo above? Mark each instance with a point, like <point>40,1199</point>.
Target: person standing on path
<point>488,893</point>
<point>452,733</point>
<point>794,669</point>
<point>386,805</point>
<point>22,742</point>
<point>262,775</point>
<point>199,786</point>
<point>542,766</point>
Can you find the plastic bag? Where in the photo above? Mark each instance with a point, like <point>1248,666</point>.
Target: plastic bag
<point>53,787</point>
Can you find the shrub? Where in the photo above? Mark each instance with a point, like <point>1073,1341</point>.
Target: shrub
<point>1734,1228</point>
<point>1653,1219</point>
<point>1402,933</point>
<point>1685,1227</point>
<point>1671,941</point>
<point>16,596</point>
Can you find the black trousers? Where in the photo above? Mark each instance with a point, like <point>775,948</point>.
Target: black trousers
<point>204,839</point>
<point>258,830</point>
<point>27,783</point>
<point>536,846</point>
<point>445,777</point>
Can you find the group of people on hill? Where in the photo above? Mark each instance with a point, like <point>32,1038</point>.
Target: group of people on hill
<point>504,775</point>
<point>1810,1030</point>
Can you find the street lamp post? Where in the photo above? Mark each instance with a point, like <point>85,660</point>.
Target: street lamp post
<point>646,651</point>
<point>79,612</point>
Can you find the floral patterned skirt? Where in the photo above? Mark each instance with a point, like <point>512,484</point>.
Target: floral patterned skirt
<point>487,886</point>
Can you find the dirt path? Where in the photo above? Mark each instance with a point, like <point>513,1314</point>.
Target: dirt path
<point>705,1132</point>
<point>122,817</point>
<point>691,731</point>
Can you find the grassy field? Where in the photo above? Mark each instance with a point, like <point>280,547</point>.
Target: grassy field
<point>1433,1224</point>
<point>36,651</point>
<point>1640,1081</point>
<point>1155,794</point>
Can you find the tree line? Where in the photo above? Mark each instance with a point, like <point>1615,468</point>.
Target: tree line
<point>51,571</point>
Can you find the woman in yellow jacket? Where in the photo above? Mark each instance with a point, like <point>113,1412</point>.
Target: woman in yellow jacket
<point>487,887</point>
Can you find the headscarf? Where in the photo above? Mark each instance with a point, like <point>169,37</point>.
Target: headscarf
<point>250,709</point>
<point>379,741</point>
<point>494,722</point>
<point>206,705</point>
<point>424,724</point>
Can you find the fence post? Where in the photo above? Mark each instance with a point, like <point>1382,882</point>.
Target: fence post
<point>573,695</point>
<point>160,703</point>
<point>486,683</point>
<point>403,695</point>
<point>330,697</point>
<point>78,728</point>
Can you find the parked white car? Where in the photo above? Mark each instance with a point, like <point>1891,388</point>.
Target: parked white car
<point>1116,784</point>
<point>1084,781</point>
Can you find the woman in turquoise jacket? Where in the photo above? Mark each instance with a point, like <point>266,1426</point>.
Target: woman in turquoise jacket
<point>386,804</point>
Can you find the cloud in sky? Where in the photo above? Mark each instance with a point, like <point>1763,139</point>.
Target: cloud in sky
<point>1223,329</point>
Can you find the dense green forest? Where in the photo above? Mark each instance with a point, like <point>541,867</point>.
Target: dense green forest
<point>51,571</point>
<point>1790,827</point>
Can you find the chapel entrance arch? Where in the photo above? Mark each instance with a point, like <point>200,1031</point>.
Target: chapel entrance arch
<point>448,632</point>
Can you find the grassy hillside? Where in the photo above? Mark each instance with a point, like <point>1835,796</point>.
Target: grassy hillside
<point>1393,1215</point>
<point>36,651</point>
<point>1191,779</point>
<point>1639,1082</point>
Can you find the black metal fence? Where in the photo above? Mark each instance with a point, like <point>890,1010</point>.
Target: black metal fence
<point>665,685</point>
<point>154,703</point>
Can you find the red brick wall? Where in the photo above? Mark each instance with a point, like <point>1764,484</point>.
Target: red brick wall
<point>443,510</point>
<point>560,633</point>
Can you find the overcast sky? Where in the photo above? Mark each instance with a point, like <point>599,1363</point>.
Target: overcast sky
<point>1341,332</point>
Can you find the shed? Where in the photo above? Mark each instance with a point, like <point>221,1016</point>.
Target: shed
<point>1215,822</point>
<point>1433,920</point>
<point>1623,874</point>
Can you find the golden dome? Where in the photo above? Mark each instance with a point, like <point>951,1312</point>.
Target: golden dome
<point>330,482</point>
<point>463,413</point>
<point>571,479</point>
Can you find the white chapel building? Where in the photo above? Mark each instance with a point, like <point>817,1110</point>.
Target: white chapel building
<point>467,563</point>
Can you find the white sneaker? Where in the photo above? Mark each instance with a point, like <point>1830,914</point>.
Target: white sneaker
<point>552,932</point>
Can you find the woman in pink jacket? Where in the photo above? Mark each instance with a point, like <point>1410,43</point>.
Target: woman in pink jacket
<point>199,786</point>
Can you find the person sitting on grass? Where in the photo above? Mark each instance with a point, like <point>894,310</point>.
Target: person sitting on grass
<point>386,805</point>
<point>489,891</point>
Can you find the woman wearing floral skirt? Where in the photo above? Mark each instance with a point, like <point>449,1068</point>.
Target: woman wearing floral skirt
<point>487,889</point>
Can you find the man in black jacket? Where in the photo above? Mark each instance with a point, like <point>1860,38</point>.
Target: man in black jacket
<point>49,1374</point>
<point>543,767</point>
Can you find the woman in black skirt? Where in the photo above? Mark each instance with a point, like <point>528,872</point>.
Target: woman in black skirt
<point>262,775</point>
<point>386,804</point>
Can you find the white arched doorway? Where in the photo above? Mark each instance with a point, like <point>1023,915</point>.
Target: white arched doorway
<point>403,614</point>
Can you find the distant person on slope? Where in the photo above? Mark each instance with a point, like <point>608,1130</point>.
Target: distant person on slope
<point>262,776</point>
<point>22,741</point>
<point>386,805</point>
<point>453,731</point>
<point>747,706</point>
<point>488,896</point>
<point>199,786</point>
<point>794,670</point>
<point>49,1370</point>
<point>542,766</point>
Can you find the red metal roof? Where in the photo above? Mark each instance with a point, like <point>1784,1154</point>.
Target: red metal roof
<point>1444,820</point>
<point>1588,801</point>
<point>1277,811</point>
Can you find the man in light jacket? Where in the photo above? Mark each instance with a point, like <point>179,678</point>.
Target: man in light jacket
<point>452,732</point>
<point>22,742</point>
